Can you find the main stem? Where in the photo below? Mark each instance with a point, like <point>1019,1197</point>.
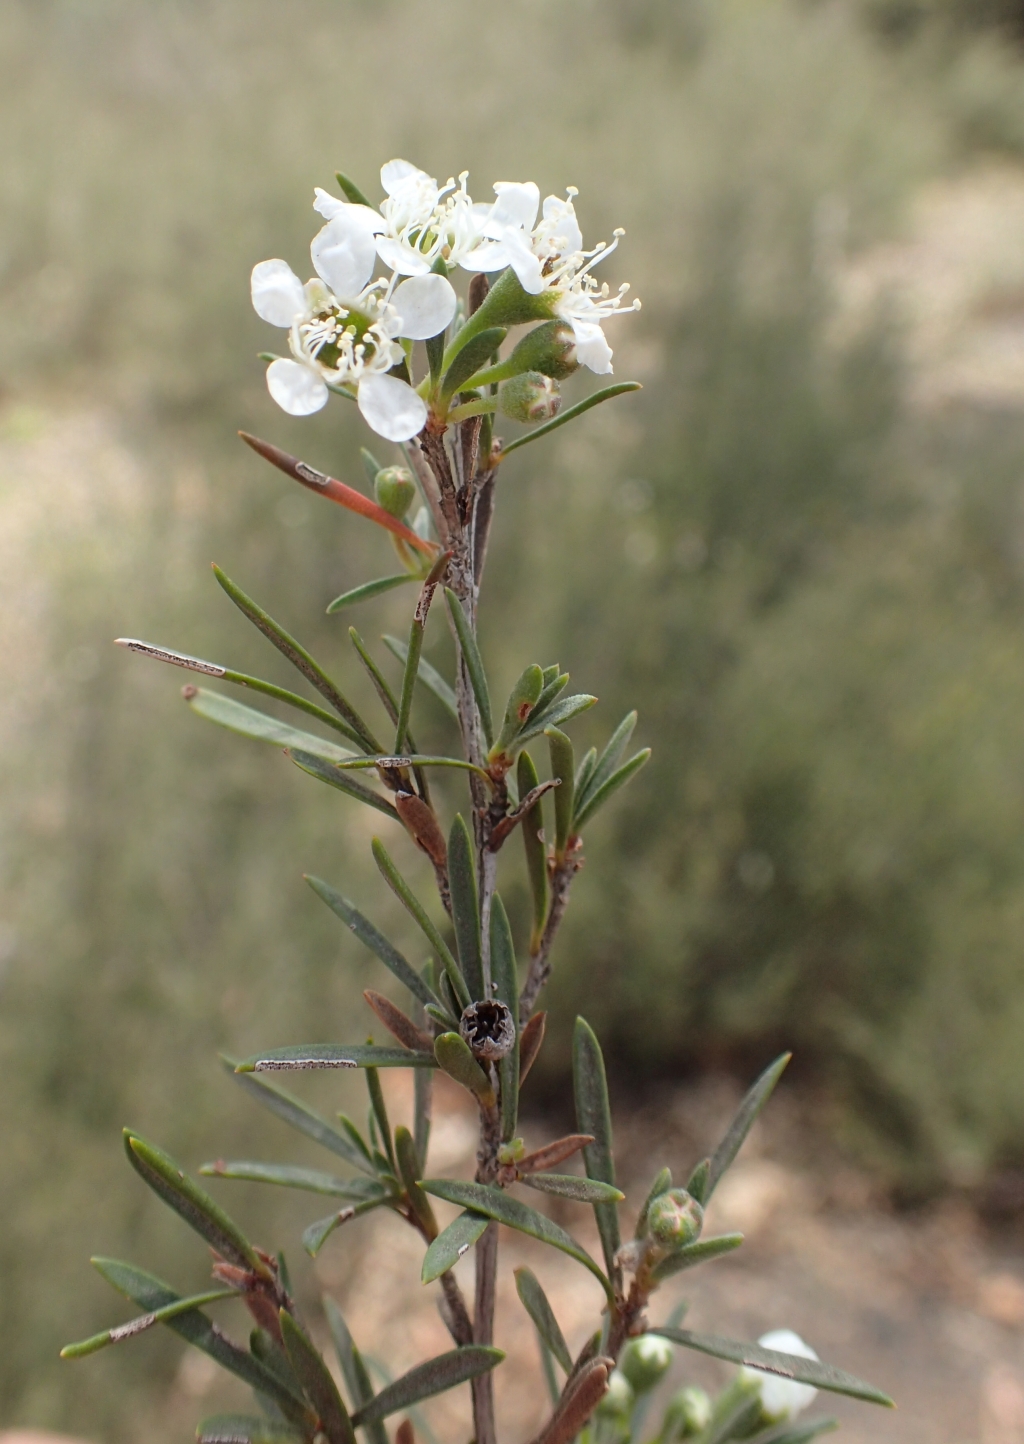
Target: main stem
<point>453,498</point>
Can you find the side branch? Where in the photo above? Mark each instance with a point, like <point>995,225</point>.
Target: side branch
<point>540,963</point>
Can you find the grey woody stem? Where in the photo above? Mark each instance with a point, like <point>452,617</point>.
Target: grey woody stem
<point>459,488</point>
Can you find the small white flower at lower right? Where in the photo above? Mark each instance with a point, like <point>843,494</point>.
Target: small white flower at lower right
<point>782,1399</point>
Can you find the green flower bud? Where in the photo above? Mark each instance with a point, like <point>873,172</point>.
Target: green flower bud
<point>645,1361</point>
<point>395,490</point>
<point>529,397</point>
<point>549,349</point>
<point>675,1218</point>
<point>619,1400</point>
<point>689,1412</point>
<point>510,1153</point>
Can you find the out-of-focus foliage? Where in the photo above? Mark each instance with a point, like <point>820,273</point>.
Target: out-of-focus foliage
<point>814,588</point>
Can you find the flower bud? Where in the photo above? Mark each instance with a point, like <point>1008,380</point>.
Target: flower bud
<point>645,1361</point>
<point>675,1218</point>
<point>781,1399</point>
<point>529,397</point>
<point>689,1412</point>
<point>510,1153</point>
<point>395,490</point>
<point>549,349</point>
<point>619,1399</point>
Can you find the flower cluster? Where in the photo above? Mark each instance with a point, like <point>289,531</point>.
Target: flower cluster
<point>351,333</point>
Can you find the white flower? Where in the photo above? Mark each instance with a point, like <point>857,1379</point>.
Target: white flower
<point>343,329</point>
<point>782,1399</point>
<point>548,257</point>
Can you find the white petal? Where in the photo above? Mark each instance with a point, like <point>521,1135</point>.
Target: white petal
<point>329,206</point>
<point>426,305</point>
<point>297,389</point>
<point>395,172</point>
<point>391,407</point>
<point>277,293</point>
<point>562,215</point>
<point>490,256</point>
<point>592,347</point>
<point>516,204</point>
<point>781,1398</point>
<point>344,253</point>
<point>403,259</point>
<point>523,261</point>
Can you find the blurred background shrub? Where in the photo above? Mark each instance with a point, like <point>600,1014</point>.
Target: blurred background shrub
<point>800,552</point>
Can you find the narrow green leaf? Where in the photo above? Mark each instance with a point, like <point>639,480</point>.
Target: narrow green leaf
<point>555,683</point>
<point>380,1113</point>
<point>355,197</point>
<point>521,703</point>
<point>571,414</point>
<point>410,1171</point>
<point>380,682</point>
<point>772,1361</point>
<point>369,936</point>
<point>144,1321</point>
<point>697,1183</point>
<point>731,1419</point>
<point>532,827</point>
<point>481,1198</point>
<point>791,1433</point>
<point>398,885</point>
<point>293,1111</point>
<point>475,355</point>
<point>195,1206</point>
<point>428,675</point>
<point>367,590</point>
<point>357,1139</point>
<point>563,767</point>
<point>150,1293</point>
<point>535,1302</point>
<point>317,1383</point>
<point>423,1088</point>
<point>240,679</point>
<point>329,772</point>
<point>244,1429</point>
<point>410,759</point>
<point>505,981</point>
<point>547,1363</point>
<point>465,906</point>
<point>458,1366</point>
<point>451,1244</point>
<point>310,1180</point>
<point>593,1115</point>
<point>474,665</point>
<point>567,1185</point>
<point>562,711</point>
<point>304,1056</point>
<point>600,795</point>
<point>744,1121</point>
<point>238,718</point>
<point>412,666</point>
<point>586,771</point>
<point>299,658</point>
<point>610,757</point>
<point>662,1183</point>
<point>696,1253</point>
<point>357,1380</point>
<point>317,1234</point>
<point>454,1055</point>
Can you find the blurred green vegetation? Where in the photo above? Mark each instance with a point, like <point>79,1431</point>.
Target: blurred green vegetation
<point>810,585</point>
